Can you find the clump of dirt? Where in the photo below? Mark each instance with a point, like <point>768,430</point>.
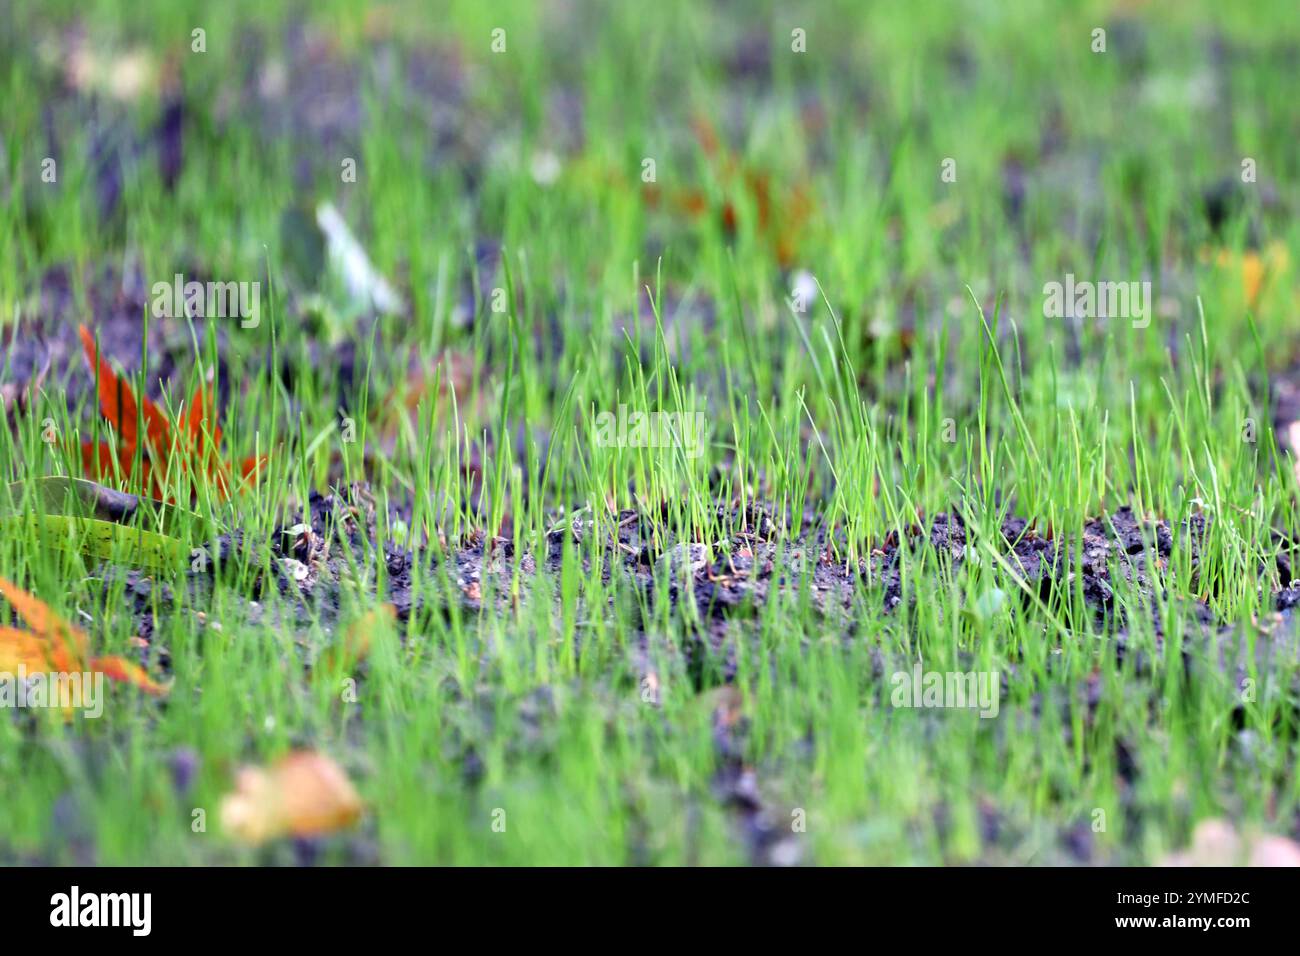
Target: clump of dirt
<point>314,556</point>
<point>1047,562</point>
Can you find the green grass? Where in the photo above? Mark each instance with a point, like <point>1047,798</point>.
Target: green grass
<point>922,378</point>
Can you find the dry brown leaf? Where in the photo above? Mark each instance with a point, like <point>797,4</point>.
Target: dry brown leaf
<point>303,794</point>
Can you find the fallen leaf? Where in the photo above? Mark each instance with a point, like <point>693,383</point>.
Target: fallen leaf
<point>20,649</point>
<point>120,669</point>
<point>36,614</point>
<point>358,638</point>
<point>46,645</point>
<point>117,402</point>
<point>303,794</point>
<point>62,495</point>
<point>99,540</point>
<point>1257,268</point>
<point>362,280</point>
<point>780,214</point>
<point>192,443</point>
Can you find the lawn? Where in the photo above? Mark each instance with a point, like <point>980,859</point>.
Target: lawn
<point>669,433</point>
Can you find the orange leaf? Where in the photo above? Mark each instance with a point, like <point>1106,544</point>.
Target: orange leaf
<point>194,439</point>
<point>25,653</point>
<point>98,464</point>
<point>249,469</point>
<point>118,406</point>
<point>705,134</point>
<point>779,213</point>
<point>44,649</point>
<point>120,669</point>
<point>199,414</point>
<point>21,649</point>
<point>302,794</point>
<point>117,402</point>
<point>43,621</point>
<point>693,202</point>
<point>195,414</point>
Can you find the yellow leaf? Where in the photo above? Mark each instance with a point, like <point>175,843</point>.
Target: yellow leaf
<point>18,649</point>
<point>1257,270</point>
<point>358,638</point>
<point>120,669</point>
<point>303,794</point>
<point>44,622</point>
<point>44,650</point>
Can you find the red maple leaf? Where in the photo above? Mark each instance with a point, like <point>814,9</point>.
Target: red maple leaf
<point>191,443</point>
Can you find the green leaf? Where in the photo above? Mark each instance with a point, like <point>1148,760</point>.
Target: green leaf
<point>80,516</point>
<point>101,540</point>
<point>57,494</point>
